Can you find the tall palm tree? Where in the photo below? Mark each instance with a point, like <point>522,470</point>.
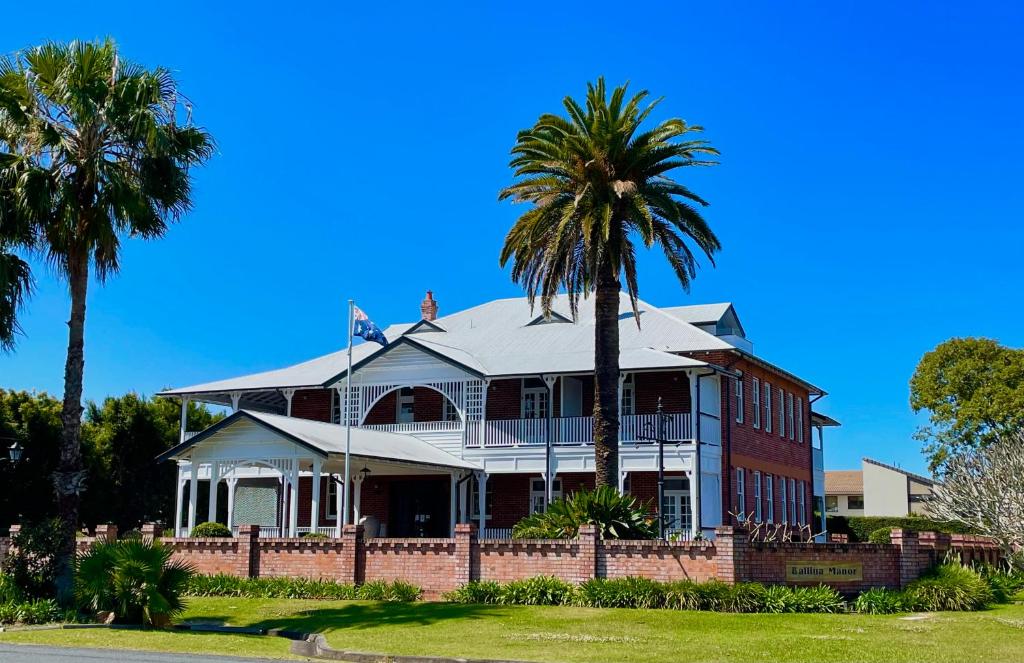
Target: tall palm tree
<point>597,183</point>
<point>95,149</point>
<point>15,283</point>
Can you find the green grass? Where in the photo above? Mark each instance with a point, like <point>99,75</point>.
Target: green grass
<point>578,634</point>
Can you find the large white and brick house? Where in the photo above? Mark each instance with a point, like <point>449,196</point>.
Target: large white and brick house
<point>476,415</point>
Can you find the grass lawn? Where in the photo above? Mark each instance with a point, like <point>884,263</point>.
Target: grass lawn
<point>578,634</point>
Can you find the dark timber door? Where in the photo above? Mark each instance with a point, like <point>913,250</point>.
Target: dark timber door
<point>419,508</point>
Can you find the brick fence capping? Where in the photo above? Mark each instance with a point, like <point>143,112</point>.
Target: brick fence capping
<point>442,564</point>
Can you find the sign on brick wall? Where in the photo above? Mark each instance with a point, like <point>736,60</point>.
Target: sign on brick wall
<point>810,571</point>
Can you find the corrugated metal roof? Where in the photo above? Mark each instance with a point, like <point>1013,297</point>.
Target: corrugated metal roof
<point>330,439</point>
<point>699,313</point>
<point>844,482</point>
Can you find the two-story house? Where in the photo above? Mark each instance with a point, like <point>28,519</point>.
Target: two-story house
<point>485,414</point>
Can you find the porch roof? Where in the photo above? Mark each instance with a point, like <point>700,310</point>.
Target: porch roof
<point>326,439</point>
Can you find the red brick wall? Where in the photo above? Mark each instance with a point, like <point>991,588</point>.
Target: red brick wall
<point>766,562</point>
<point>644,486</point>
<point>426,405</point>
<point>672,386</point>
<point>503,561</point>
<point>312,404</point>
<point>504,399</point>
<point>384,411</point>
<point>429,563</point>
<point>212,556</point>
<point>305,558</point>
<point>657,560</point>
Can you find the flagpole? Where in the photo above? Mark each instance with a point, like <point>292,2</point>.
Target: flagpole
<point>348,417</point>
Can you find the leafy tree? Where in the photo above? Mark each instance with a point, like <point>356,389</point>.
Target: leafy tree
<point>598,183</point>
<point>973,390</point>
<point>95,150</point>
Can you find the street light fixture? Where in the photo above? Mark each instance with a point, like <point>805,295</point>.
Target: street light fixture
<point>14,453</point>
<point>655,432</point>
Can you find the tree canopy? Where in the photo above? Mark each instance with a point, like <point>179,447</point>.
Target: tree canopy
<point>973,391</point>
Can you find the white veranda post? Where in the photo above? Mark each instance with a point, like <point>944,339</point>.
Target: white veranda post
<point>340,485</point>
<point>357,497</point>
<point>314,511</point>
<point>231,483</point>
<point>193,494</point>
<point>211,515</point>
<point>481,501</point>
<point>178,494</point>
<point>293,502</point>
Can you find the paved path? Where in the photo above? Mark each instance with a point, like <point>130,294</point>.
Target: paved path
<point>36,654</point>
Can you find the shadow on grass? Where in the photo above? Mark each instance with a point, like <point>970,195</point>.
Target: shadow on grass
<point>371,615</point>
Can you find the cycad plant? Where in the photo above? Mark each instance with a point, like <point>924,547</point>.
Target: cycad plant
<point>616,516</point>
<point>136,579</point>
<point>598,184</point>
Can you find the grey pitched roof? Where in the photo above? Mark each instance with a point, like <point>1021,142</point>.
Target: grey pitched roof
<point>699,313</point>
<point>326,439</point>
<point>504,338</point>
<point>915,477</point>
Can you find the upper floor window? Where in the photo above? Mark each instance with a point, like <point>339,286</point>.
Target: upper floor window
<point>782,500</point>
<point>628,405</point>
<point>767,407</point>
<point>739,400</point>
<point>755,402</point>
<point>789,415</point>
<point>405,409</point>
<point>535,399</point>
<point>800,420</point>
<point>782,413</point>
<point>741,494</point>
<point>802,505</point>
<point>449,412</point>
<point>335,406</point>
<point>792,501</point>
<point>769,498</point>
<point>757,496</point>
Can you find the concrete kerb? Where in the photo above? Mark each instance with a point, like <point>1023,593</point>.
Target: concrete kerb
<point>315,646</point>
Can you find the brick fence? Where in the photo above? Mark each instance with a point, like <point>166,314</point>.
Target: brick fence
<point>439,565</point>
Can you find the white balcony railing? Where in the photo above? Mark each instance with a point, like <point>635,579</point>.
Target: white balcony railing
<point>418,427</point>
<point>570,431</point>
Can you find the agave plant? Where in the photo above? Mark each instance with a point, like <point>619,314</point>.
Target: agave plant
<point>617,516</point>
<point>133,578</point>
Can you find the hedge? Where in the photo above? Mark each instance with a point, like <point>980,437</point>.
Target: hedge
<point>859,528</point>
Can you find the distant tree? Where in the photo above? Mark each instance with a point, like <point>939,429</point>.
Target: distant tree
<point>973,391</point>
<point>598,183</point>
<point>983,489</point>
<point>96,148</point>
<point>33,419</point>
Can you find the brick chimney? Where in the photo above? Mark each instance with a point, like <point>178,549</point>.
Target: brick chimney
<point>428,307</point>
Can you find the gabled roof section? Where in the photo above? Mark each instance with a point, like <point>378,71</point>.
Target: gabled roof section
<point>915,477</point>
<point>424,325</point>
<point>546,320</point>
<point>325,439</point>
<point>844,482</point>
<point>697,314</point>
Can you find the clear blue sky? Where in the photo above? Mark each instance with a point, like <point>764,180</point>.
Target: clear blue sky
<point>869,199</point>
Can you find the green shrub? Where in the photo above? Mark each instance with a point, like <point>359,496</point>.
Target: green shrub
<point>169,533</point>
<point>9,591</point>
<point>315,536</point>
<point>269,588</point>
<point>880,535</point>
<point>210,530</point>
<point>949,587</point>
<point>683,595</point>
<point>476,591</point>
<point>747,597</point>
<point>397,591</point>
<point>629,592</point>
<point>616,516</point>
<point>859,528</point>
<point>1003,583</point>
<point>716,595</point>
<point>820,599</point>
<point>32,562</point>
<point>880,601</point>
<point>135,579</point>
<point>539,590</point>
<point>36,611</point>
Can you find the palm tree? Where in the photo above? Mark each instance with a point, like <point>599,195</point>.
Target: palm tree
<point>597,183</point>
<point>15,283</point>
<point>95,150</point>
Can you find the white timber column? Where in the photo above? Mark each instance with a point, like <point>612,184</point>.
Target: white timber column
<point>357,498</point>
<point>481,499</point>
<point>691,376</point>
<point>338,506</point>
<point>178,494</point>
<point>231,483</point>
<point>293,501</point>
<point>288,395</point>
<point>193,495</point>
<point>214,480</point>
<point>622,480</point>
<point>453,504</point>
<point>314,517</point>
<point>235,397</point>
<point>184,418</point>
<point>464,501</point>
<point>694,503</point>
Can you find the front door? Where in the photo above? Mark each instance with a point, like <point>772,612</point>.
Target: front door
<point>419,508</point>
<point>676,507</point>
<point>534,414</point>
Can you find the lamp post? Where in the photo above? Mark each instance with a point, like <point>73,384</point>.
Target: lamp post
<point>654,432</point>
<point>14,453</point>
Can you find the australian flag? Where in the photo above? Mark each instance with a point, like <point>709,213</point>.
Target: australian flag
<point>364,328</point>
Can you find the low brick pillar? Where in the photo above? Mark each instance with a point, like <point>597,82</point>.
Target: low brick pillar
<point>586,558</point>
<point>150,532</point>
<point>731,552</point>
<point>106,532</point>
<point>913,559</point>
<point>249,550</point>
<point>352,559</point>
<point>465,537</point>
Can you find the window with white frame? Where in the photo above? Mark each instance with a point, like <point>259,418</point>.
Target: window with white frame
<point>799,420</point>
<point>769,499</point>
<point>448,411</point>
<point>755,402</point>
<point>741,494</point>
<point>537,496</point>
<point>767,407</point>
<point>782,414</point>
<point>802,506</point>
<point>789,415</point>
<point>792,501</point>
<point>332,498</point>
<point>676,507</point>
<point>335,406</point>
<point>739,400</point>
<point>405,408</point>
<point>757,496</point>
<point>474,499</point>
<point>628,404</point>
<point>535,399</point>
<point>782,501</point>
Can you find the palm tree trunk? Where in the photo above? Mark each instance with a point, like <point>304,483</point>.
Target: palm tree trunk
<point>69,477</point>
<point>606,379</point>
